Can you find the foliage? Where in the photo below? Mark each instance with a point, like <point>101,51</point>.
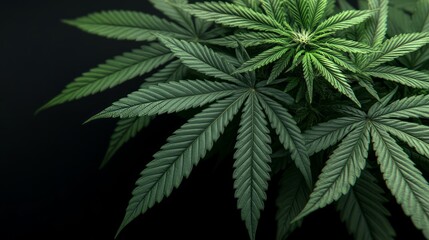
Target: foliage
<point>328,82</point>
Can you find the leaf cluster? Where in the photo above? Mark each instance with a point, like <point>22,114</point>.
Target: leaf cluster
<point>311,82</point>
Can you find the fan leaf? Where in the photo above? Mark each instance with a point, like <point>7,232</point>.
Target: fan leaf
<point>182,151</point>
<point>252,159</point>
<point>400,75</point>
<point>113,72</point>
<point>202,59</point>
<point>374,30</point>
<point>341,170</point>
<point>333,75</point>
<point>326,134</point>
<point>402,178</point>
<point>415,135</point>
<point>234,16</point>
<point>409,107</point>
<point>397,46</point>
<point>289,135</point>
<point>168,97</point>
<point>127,25</point>
<point>363,212</point>
<point>343,20</point>
<point>170,8</point>
<point>293,194</point>
<point>263,59</point>
<point>275,9</point>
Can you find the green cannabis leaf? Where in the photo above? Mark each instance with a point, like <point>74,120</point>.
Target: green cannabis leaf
<point>286,70</point>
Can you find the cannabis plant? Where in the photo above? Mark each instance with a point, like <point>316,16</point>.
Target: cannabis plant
<point>322,90</point>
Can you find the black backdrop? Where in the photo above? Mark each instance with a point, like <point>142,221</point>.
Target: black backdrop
<point>50,183</point>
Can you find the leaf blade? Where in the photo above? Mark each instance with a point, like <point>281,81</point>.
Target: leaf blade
<point>182,151</point>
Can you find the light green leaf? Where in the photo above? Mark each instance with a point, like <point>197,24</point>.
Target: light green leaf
<point>402,178</point>
<point>182,151</point>
<point>308,75</point>
<point>113,72</point>
<point>234,16</point>
<point>400,75</point>
<point>247,39</point>
<point>333,75</point>
<point>279,67</point>
<point>202,59</point>
<point>343,20</point>
<point>317,10</point>
<point>168,97</point>
<point>125,130</point>
<point>289,135</point>
<point>341,170</point>
<point>253,4</point>
<point>299,10</point>
<point>127,25</point>
<point>363,212</point>
<point>263,59</point>
<point>293,194</point>
<point>252,159</point>
<point>345,45</point>
<point>275,9</point>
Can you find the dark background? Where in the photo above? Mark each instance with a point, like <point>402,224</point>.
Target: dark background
<point>50,183</point>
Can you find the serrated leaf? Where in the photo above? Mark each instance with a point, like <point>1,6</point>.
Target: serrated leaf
<point>421,16</point>
<point>415,135</point>
<point>113,72</point>
<point>316,11</point>
<point>343,20</point>
<point>274,9</point>
<point>182,151</point>
<point>395,47</point>
<point>293,194</point>
<point>333,75</point>
<point>401,75</point>
<point>402,178</point>
<point>279,67</point>
<point>234,16</point>
<point>289,135</point>
<point>299,10</point>
<point>172,72</point>
<point>308,75</point>
<point>281,96</point>
<point>341,170</point>
<point>374,30</point>
<point>326,134</point>
<point>170,8</point>
<point>202,59</point>
<point>410,107</point>
<point>252,159</point>
<point>125,130</point>
<point>168,97</point>
<point>345,45</point>
<point>253,4</point>
<point>246,39</point>
<point>127,25</point>
<point>363,212</point>
<point>264,58</point>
